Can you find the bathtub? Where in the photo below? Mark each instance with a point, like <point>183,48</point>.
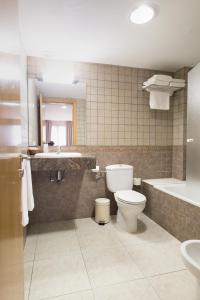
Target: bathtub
<point>175,205</point>
<point>185,192</point>
<point>177,188</point>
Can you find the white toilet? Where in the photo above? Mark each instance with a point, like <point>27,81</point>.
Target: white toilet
<point>130,204</point>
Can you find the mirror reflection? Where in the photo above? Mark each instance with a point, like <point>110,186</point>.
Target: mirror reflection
<point>59,123</point>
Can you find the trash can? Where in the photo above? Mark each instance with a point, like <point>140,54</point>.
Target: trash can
<point>102,211</point>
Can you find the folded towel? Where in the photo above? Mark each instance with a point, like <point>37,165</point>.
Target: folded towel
<point>159,100</point>
<point>27,200</point>
<point>161,77</point>
<point>177,84</point>
<point>177,80</point>
<point>152,81</point>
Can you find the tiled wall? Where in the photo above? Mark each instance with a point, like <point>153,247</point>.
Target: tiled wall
<point>179,128</point>
<point>117,109</point>
<point>81,122</point>
<point>74,198</point>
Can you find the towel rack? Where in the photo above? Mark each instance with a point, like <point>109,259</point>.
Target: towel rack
<point>163,88</point>
<point>24,156</point>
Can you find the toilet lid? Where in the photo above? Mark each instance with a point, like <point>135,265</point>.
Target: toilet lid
<point>131,197</point>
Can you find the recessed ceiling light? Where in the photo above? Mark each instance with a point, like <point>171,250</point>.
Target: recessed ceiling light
<point>142,14</point>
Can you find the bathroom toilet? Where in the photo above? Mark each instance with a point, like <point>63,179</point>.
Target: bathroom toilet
<point>119,179</point>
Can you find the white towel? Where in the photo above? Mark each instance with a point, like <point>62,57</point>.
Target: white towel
<point>24,200</point>
<point>29,186</point>
<point>27,199</point>
<point>159,100</point>
<point>177,84</point>
<point>177,80</point>
<point>161,77</point>
<point>156,82</point>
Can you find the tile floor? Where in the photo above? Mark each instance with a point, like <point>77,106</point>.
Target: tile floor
<point>80,260</point>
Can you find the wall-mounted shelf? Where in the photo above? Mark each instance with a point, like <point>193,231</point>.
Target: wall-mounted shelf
<point>162,88</point>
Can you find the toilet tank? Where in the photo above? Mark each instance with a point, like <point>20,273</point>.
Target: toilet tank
<point>119,177</point>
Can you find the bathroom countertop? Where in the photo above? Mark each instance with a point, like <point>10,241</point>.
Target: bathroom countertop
<point>68,163</point>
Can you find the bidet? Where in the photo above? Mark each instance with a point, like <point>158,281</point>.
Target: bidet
<point>190,251</point>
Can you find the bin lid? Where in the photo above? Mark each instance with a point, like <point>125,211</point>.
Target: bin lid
<point>102,201</point>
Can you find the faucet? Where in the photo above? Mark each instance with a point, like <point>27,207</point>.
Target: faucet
<point>58,149</point>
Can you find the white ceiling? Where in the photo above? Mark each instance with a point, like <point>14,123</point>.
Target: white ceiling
<point>100,31</point>
<point>50,89</point>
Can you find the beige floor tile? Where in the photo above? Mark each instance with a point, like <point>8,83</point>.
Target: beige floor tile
<point>28,267</point>
<point>93,236</point>
<point>157,258</point>
<point>57,227</point>
<point>89,226</point>
<point>135,290</point>
<point>148,231</point>
<point>30,247</point>
<point>176,286</point>
<point>111,266</point>
<point>57,244</point>
<point>58,276</point>
<point>88,295</point>
<point>98,240</point>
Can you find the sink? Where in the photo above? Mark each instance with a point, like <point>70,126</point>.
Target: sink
<point>190,251</point>
<point>58,154</point>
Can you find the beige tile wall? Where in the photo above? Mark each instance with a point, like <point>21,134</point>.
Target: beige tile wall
<point>180,110</point>
<point>180,128</point>
<point>81,122</point>
<point>117,109</point>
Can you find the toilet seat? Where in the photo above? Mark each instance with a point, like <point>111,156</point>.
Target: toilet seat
<point>130,197</point>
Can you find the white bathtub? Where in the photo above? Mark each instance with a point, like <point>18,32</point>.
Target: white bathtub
<point>177,188</point>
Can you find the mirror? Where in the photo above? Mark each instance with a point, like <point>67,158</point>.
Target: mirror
<point>57,109</point>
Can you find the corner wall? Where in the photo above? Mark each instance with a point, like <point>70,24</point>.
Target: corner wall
<point>179,128</point>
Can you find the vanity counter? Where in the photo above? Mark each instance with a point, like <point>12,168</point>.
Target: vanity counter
<point>85,162</point>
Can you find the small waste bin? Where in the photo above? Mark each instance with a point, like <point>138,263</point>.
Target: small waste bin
<point>102,211</point>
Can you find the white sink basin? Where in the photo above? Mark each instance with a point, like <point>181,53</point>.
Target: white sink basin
<point>58,155</point>
<point>190,251</point>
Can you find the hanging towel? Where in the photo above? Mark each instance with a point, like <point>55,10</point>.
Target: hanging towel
<point>29,186</point>
<point>27,199</point>
<point>24,200</point>
<point>159,100</point>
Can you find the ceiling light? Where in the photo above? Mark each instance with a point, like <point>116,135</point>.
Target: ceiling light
<point>142,14</point>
